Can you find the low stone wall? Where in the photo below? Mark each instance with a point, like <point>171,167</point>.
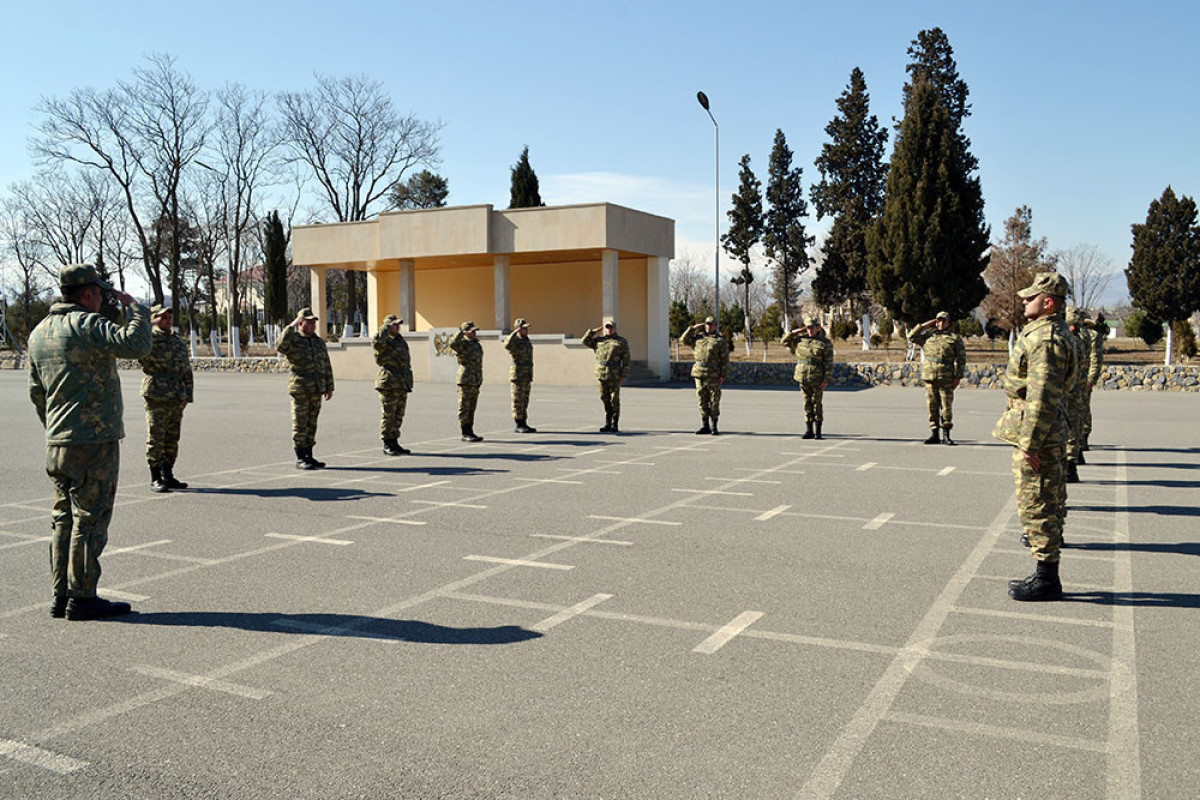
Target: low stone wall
<point>209,364</point>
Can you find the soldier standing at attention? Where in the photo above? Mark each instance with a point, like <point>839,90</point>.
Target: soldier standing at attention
<point>470,376</point>
<point>814,368</point>
<point>1041,366</point>
<point>312,378</point>
<point>393,382</point>
<point>167,389</point>
<point>711,353</point>
<point>612,367</point>
<point>520,348</point>
<point>74,386</point>
<point>944,363</point>
<point>1077,396</point>
<point>1099,330</point>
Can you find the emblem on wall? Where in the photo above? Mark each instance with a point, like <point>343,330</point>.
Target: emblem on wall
<point>441,343</point>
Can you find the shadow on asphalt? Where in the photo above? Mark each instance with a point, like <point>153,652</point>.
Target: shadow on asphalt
<point>349,625</point>
<point>1143,599</point>
<point>317,494</point>
<point>1165,511</point>
<point>419,470</point>
<point>1178,548</point>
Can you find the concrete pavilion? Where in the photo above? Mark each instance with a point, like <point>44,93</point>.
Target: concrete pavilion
<point>564,268</point>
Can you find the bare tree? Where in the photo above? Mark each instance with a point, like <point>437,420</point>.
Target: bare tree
<point>690,280</point>
<point>61,209</point>
<point>1088,271</point>
<point>1013,262</point>
<point>356,144</point>
<point>114,237</point>
<point>22,248</point>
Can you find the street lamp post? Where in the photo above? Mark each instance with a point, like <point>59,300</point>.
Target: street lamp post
<point>703,98</point>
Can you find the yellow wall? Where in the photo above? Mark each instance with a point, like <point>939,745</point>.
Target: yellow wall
<point>632,322</point>
<point>388,284</point>
<point>448,297</point>
<point>556,298</point>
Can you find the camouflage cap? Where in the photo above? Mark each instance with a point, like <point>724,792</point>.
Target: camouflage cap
<point>157,311</point>
<point>80,275</point>
<point>520,322</point>
<point>812,322</point>
<point>1046,283</point>
<point>468,326</point>
<point>306,313</point>
<point>709,321</point>
<point>1075,316</point>
<point>392,319</point>
<point>943,315</point>
<point>609,322</point>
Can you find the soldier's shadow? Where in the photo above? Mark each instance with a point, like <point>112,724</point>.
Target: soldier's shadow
<point>1166,511</point>
<point>1142,599</point>
<point>421,470</point>
<point>341,625</point>
<point>315,494</point>
<point>1176,548</point>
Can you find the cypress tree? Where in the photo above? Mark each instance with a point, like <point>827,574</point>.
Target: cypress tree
<point>275,261</point>
<point>524,192</point>
<point>745,231</point>
<point>783,229</point>
<point>1164,272</point>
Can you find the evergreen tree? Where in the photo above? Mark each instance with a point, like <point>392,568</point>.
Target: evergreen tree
<point>524,192</point>
<point>927,249</point>
<point>680,319</point>
<point>745,231</point>
<point>932,60</point>
<point>853,174</point>
<point>423,190</point>
<point>783,229</point>
<point>275,264</point>
<point>1164,271</point>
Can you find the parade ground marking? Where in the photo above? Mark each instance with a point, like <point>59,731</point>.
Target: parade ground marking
<point>436,503</point>
<point>878,522</point>
<point>549,480</point>
<point>202,682</point>
<point>945,471</point>
<point>390,520</point>
<point>766,515</point>
<point>518,562</point>
<point>866,466</point>
<point>293,537</point>
<point>741,480</point>
<point>423,486</point>
<point>136,547</point>
<point>28,754</point>
<point>635,519</point>
<point>127,596</point>
<point>713,491</point>
<point>580,539</point>
<point>723,636</point>
<point>568,613</point>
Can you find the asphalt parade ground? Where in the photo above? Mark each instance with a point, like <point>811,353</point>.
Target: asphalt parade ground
<point>570,614</point>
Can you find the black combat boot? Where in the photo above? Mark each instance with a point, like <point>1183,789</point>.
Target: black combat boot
<point>468,434</point>
<point>714,427</point>
<point>946,437</point>
<point>58,609</point>
<point>935,436</point>
<point>608,422</point>
<point>309,456</point>
<point>817,431</point>
<point>169,479</point>
<point>808,430</point>
<point>157,484</point>
<point>614,428</point>
<point>1081,459</point>
<point>81,608</point>
<point>704,429</point>
<point>1072,472</point>
<point>1042,585</point>
<point>301,460</point>
<point>523,426</point>
<point>1025,540</point>
<point>391,448</point>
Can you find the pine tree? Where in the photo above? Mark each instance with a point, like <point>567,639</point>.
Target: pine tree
<point>275,262</point>
<point>783,230</point>
<point>423,190</point>
<point>1164,272</point>
<point>524,192</point>
<point>745,231</point>
<point>853,174</point>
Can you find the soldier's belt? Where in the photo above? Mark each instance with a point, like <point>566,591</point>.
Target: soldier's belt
<point>607,364</point>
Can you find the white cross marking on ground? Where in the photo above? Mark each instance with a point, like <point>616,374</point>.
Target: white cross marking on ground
<point>878,522</point>
<point>517,562</point>
<point>722,637</point>
<point>293,537</point>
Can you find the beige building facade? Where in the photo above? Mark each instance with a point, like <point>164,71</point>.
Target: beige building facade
<point>564,268</point>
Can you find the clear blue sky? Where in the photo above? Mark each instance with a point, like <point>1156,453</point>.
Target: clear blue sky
<point>1084,111</point>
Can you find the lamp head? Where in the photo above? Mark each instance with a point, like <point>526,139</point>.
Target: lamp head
<point>703,98</point>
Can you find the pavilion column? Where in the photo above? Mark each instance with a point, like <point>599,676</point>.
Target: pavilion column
<point>316,283</point>
<point>501,270</point>
<point>610,285</point>
<point>374,317</point>
<point>658,329</point>
<point>408,294</point>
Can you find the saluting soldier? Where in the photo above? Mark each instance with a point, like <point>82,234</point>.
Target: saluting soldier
<point>944,363</point>
<point>711,354</point>
<point>814,368</point>
<point>311,379</point>
<point>393,382</point>
<point>612,367</point>
<point>470,375</point>
<point>1042,365</point>
<point>520,347</point>
<point>167,389</point>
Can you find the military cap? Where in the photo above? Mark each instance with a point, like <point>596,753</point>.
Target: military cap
<point>609,322</point>
<point>80,275</point>
<point>392,319</point>
<point>709,321</point>
<point>157,311</point>
<point>1075,316</point>
<point>520,322</point>
<point>812,322</point>
<point>943,315</point>
<point>307,313</point>
<point>1045,283</point>
<point>468,326</point>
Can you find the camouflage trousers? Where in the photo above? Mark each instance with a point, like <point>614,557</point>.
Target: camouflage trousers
<point>164,418</point>
<point>610,396</point>
<point>306,408</point>
<point>85,486</point>
<point>393,405</point>
<point>814,401</point>
<point>1087,417</point>
<point>939,395</point>
<point>708,396</point>
<point>520,399</point>
<point>1077,407</point>
<point>468,398</point>
<point>1042,501</point>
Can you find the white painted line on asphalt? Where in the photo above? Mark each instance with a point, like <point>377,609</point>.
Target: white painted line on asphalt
<point>946,471</point>
<point>202,681</point>
<point>435,503</point>
<point>742,480</point>
<point>579,539</point>
<point>723,636</point>
<point>878,522</point>
<point>568,613</point>
<point>689,449</point>
<point>713,491</point>
<point>1124,777</point>
<point>627,463</point>
<point>814,453</point>
<point>1075,555</point>
<point>296,538</point>
<point>136,547</point>
<point>36,756</point>
<point>989,612</point>
<point>25,542</point>
<point>127,596</point>
<point>1020,735</point>
<point>589,471</point>
<point>423,486</point>
<point>517,562</point>
<point>388,519</point>
<point>549,480</point>
<point>866,466</point>
<point>635,519</point>
<point>586,453</point>
<point>1077,587</point>
<point>766,515</point>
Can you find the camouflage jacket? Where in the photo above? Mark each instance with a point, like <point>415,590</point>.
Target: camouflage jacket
<point>1041,366</point>
<point>470,359</point>
<point>395,364</point>
<point>612,355</point>
<point>1077,385</point>
<point>1095,352</point>
<point>521,350</point>
<point>309,359</point>
<point>943,352</point>
<point>814,356</point>
<point>73,380</point>
<point>711,353</point>
<point>168,369</point>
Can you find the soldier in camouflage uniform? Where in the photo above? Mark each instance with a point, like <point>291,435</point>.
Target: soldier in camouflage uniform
<point>470,375</point>
<point>943,365</point>
<point>520,347</point>
<point>74,386</point>
<point>393,382</point>
<point>167,390</point>
<point>1077,395</point>
<point>311,379</point>
<point>1099,331</point>
<point>814,368</point>
<point>711,354</point>
<point>1041,366</point>
<point>612,367</point>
